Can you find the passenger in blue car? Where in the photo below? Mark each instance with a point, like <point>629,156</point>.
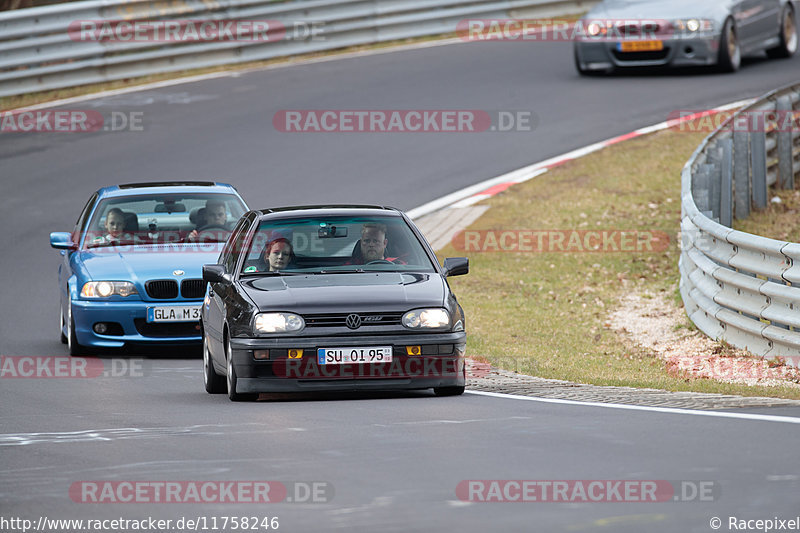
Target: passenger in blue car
<point>114,226</point>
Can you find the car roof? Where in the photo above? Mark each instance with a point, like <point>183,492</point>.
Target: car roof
<point>328,210</point>
<point>166,187</point>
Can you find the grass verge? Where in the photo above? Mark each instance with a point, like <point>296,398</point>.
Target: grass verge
<point>779,220</point>
<point>546,313</point>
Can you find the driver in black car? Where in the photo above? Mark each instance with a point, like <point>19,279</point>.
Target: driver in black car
<point>373,245</point>
<point>216,217</point>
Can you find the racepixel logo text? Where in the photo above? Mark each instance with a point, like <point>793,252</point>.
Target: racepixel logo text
<point>404,121</point>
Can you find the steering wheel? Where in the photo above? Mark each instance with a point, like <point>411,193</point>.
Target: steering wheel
<point>380,262</point>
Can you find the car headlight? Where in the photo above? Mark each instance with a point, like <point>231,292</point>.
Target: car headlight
<point>426,318</point>
<point>104,289</point>
<point>278,322</point>
<point>594,29</point>
<point>689,27</point>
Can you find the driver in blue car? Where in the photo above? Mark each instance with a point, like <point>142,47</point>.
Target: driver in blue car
<point>215,218</point>
<point>373,245</point>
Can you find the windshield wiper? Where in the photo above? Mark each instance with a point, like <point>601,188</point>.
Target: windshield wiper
<point>354,271</point>
<point>273,273</point>
<point>110,243</point>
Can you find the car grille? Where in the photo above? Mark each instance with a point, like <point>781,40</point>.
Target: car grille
<point>339,320</point>
<point>167,329</point>
<point>193,288</point>
<point>641,56</point>
<point>162,289</point>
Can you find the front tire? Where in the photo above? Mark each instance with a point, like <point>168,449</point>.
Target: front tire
<point>75,349</point>
<point>788,35</point>
<point>63,324</point>
<point>215,384</point>
<point>231,380</point>
<point>730,55</point>
<point>449,391</point>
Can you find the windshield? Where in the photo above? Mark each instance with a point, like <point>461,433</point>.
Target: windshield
<point>335,245</point>
<point>163,218</point>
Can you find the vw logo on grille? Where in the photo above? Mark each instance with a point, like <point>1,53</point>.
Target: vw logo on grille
<point>353,321</point>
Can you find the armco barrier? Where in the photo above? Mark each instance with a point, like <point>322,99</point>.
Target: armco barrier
<point>739,287</point>
<point>37,53</point>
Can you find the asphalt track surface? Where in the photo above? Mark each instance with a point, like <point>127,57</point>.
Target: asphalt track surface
<point>393,461</point>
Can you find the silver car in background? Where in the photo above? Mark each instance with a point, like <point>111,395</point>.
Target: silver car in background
<point>618,34</point>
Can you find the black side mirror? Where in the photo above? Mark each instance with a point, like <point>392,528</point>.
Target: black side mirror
<point>216,274</point>
<point>456,266</point>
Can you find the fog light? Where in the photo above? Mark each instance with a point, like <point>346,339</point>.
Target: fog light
<point>295,353</point>
<point>413,350</point>
<point>100,328</point>
<point>261,354</point>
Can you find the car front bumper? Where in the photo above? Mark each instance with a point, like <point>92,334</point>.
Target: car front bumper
<point>600,56</point>
<point>441,364</point>
<point>131,316</point>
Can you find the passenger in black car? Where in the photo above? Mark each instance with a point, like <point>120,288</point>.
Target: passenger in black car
<point>278,254</point>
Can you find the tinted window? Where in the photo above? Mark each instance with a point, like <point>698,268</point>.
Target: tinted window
<point>336,244</point>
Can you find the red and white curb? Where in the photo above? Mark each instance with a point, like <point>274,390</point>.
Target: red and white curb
<point>486,189</point>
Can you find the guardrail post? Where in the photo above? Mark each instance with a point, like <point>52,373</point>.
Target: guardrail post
<point>714,165</point>
<point>758,163</point>
<point>785,158</point>
<point>726,183</point>
<point>700,192</point>
<point>741,174</point>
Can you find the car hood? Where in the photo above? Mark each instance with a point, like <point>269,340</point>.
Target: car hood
<point>142,263</point>
<point>342,293</point>
<point>651,9</point>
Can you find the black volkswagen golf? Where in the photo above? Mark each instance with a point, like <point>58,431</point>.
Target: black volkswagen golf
<point>331,298</point>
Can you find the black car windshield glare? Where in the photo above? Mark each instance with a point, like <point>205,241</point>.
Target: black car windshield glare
<point>331,245</point>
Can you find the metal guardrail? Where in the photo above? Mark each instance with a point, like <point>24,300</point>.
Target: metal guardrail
<point>37,52</point>
<point>738,287</point>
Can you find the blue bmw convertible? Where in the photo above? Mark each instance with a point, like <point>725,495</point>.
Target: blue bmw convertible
<point>132,267</point>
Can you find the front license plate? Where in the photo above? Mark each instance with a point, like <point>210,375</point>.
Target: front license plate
<point>186,313</point>
<point>344,356</point>
<point>640,46</point>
